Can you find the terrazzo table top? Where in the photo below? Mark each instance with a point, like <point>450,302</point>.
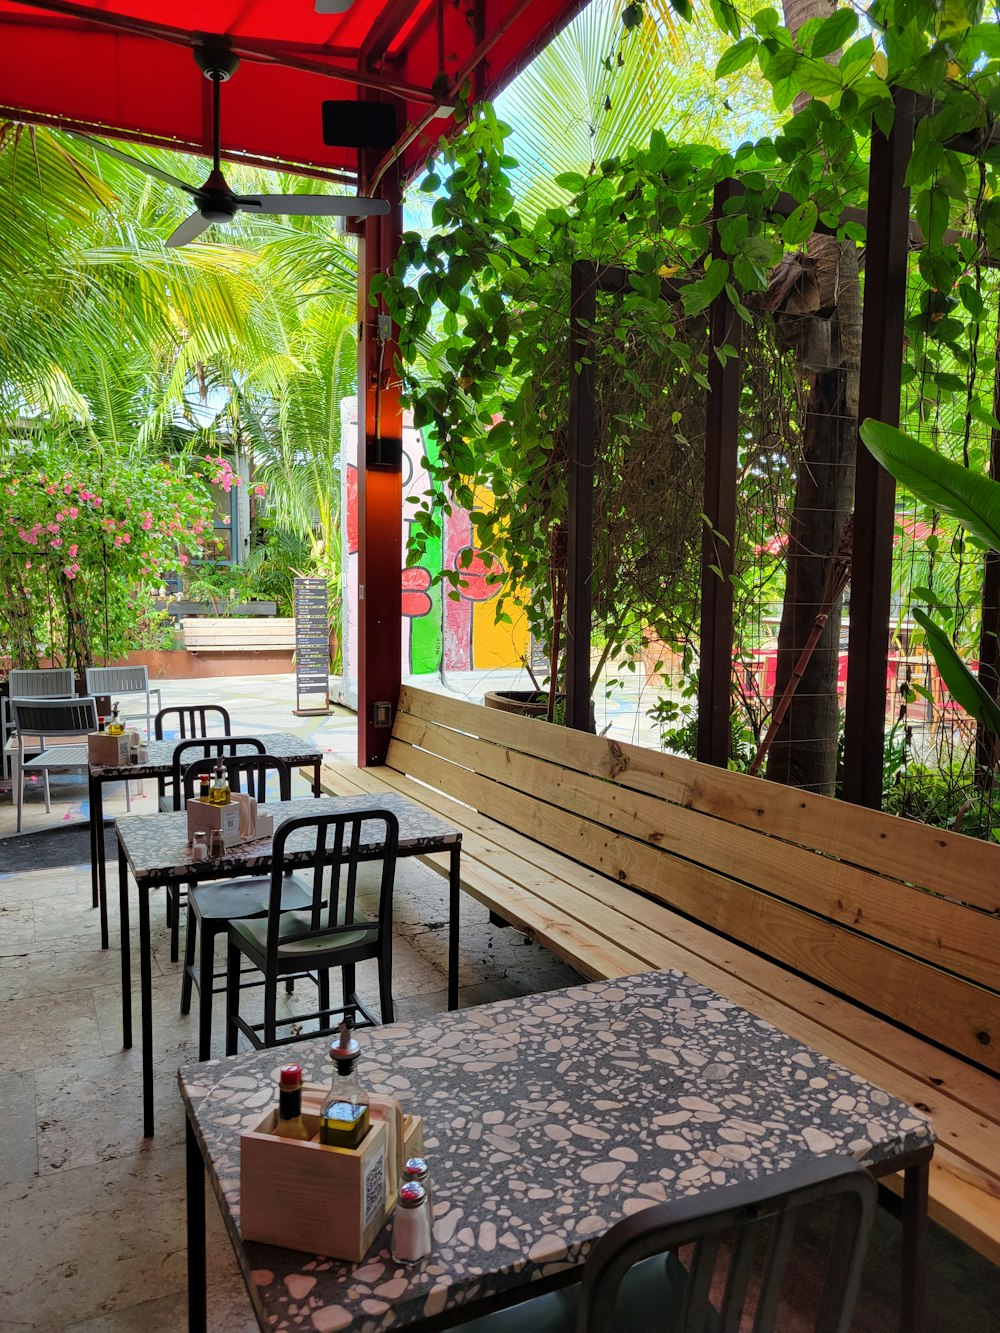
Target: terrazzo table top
<point>282,744</point>
<point>157,846</point>
<point>546,1120</point>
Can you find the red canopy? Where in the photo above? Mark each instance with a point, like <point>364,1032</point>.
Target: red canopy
<point>124,68</point>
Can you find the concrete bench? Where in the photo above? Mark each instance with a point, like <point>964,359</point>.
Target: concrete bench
<point>874,939</point>
<point>236,634</point>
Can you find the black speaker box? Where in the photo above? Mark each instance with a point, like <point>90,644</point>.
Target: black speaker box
<point>359,124</point>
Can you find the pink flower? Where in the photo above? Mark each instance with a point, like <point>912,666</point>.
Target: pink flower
<point>227,520</point>
<point>72,550</point>
<point>97,501</point>
<point>260,489</point>
<point>126,538</point>
<point>73,511</point>
<point>56,541</point>
<point>50,490</point>
<point>118,540</point>
<point>68,489</point>
<point>183,558</point>
<point>52,527</point>
<point>27,564</point>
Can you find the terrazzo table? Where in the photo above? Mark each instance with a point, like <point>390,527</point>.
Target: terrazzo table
<point>156,850</point>
<point>296,752</point>
<point>546,1120</point>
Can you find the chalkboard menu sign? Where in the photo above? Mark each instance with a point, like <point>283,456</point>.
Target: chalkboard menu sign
<point>312,647</point>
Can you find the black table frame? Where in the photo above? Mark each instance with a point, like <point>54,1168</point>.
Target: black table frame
<point>206,870</point>
<point>99,774</point>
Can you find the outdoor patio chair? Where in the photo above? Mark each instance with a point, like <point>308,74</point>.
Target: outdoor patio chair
<point>187,720</point>
<point>742,1237</point>
<point>331,933</point>
<point>124,681</point>
<point>208,749</point>
<point>43,683</point>
<point>211,907</point>
<point>39,720</point>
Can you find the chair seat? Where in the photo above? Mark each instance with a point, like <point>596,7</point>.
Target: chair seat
<point>60,756</point>
<point>650,1300</point>
<point>253,937</point>
<point>235,898</point>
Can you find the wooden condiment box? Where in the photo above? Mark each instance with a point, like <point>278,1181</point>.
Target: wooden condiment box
<point>105,749</point>
<point>203,817</point>
<point>329,1201</point>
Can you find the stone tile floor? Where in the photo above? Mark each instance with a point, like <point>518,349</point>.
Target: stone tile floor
<point>92,1215</point>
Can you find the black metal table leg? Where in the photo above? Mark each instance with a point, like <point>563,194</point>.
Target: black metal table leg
<point>454,909</point>
<point>912,1312</point>
<point>126,948</point>
<point>146,1016</point>
<point>98,866</point>
<point>197,1304</point>
<point>317,789</point>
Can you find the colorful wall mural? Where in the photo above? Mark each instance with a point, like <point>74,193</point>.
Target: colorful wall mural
<point>440,633</point>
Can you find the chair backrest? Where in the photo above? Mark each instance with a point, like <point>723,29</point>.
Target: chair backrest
<point>339,843</point>
<point>118,680</point>
<point>44,683</point>
<point>742,1236</point>
<point>247,773</point>
<point>192,720</point>
<point>54,717</point>
<point>206,747</point>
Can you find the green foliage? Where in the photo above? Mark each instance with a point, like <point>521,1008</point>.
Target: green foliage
<point>84,540</point>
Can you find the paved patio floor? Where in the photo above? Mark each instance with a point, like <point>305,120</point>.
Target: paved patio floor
<point>91,1214</point>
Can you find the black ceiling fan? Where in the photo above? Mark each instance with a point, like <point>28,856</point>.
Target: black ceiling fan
<point>214,201</point>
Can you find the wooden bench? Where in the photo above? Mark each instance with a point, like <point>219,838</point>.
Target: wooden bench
<point>873,939</point>
<point>238,634</point>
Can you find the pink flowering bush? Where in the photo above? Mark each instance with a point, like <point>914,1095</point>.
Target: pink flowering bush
<point>82,548</point>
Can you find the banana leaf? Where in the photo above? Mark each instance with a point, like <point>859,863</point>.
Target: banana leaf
<point>969,497</point>
<point>965,689</point>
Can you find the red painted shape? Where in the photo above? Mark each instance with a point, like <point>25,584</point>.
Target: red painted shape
<point>416,581</point>
<point>476,574</point>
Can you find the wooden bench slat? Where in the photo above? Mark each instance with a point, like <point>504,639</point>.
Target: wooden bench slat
<point>955,937</point>
<point>951,863</point>
<point>937,1004</point>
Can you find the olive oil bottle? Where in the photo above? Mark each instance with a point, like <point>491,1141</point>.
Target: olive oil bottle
<point>344,1117</point>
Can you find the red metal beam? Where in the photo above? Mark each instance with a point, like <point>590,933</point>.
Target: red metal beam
<point>380,484</point>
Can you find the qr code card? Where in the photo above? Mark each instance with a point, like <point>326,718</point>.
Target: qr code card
<point>373,1184</point>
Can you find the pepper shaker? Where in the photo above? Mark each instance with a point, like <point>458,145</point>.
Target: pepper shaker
<point>216,846</point>
<point>411,1228</point>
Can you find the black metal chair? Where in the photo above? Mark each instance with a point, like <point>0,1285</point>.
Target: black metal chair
<point>331,933</point>
<point>193,720</point>
<point>208,748</point>
<point>742,1237</point>
<point>211,907</point>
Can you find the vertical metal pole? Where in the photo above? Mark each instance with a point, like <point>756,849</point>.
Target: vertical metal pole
<point>722,426</point>
<point>878,396</point>
<point>989,632</point>
<point>580,515</point>
<point>380,490</point>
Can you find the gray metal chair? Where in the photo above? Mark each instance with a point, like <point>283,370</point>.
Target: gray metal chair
<point>42,683</point>
<point>742,1237</point>
<point>39,720</point>
<point>122,681</point>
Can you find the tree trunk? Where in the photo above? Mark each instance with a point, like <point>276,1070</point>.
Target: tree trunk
<point>79,653</point>
<point>825,327</point>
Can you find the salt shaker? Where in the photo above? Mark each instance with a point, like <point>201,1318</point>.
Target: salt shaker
<point>199,849</point>
<point>416,1168</point>
<point>411,1228</point>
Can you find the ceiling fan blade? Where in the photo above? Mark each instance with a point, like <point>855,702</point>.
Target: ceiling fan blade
<point>190,228</point>
<point>136,162</point>
<point>313,205</point>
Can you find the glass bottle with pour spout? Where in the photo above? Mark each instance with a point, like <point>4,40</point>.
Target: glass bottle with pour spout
<point>344,1117</point>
